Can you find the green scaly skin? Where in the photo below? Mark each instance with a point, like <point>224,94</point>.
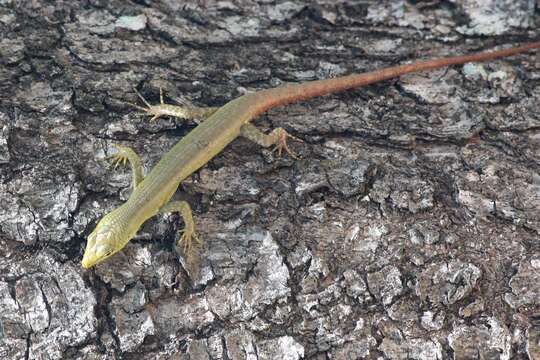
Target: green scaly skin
<point>152,194</point>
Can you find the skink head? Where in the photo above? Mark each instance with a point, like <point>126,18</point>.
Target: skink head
<point>103,242</point>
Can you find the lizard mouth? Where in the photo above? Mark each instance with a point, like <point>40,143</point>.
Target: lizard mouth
<point>87,263</point>
<point>90,257</point>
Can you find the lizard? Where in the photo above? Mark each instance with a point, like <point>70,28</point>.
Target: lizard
<point>151,195</point>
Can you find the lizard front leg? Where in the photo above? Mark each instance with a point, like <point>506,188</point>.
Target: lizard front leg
<point>277,137</point>
<point>162,109</point>
<point>125,154</point>
<point>188,239</point>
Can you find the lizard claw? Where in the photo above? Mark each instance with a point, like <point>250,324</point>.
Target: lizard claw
<point>189,240</point>
<point>120,157</point>
<point>190,243</point>
<point>281,142</point>
<point>156,111</point>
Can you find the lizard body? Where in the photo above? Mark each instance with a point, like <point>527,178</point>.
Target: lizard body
<point>152,194</point>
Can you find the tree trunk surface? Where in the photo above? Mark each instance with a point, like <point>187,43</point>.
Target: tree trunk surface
<point>409,227</point>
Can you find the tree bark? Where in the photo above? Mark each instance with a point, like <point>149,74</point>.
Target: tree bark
<point>408,229</point>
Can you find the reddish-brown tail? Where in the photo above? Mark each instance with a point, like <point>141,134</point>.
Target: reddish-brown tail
<point>291,93</point>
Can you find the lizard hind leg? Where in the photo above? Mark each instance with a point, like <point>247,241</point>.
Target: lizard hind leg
<point>278,137</point>
<point>156,111</point>
<point>183,112</point>
<point>188,240</point>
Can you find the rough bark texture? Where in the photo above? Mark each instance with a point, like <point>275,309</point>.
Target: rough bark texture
<point>409,229</point>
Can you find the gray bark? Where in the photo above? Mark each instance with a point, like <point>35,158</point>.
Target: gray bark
<point>409,228</point>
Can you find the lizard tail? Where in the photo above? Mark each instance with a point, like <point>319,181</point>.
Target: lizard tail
<point>292,93</point>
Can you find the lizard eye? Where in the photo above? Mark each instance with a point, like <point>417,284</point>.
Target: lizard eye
<point>104,251</point>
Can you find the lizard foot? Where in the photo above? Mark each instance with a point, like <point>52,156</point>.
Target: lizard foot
<point>156,111</point>
<point>281,142</point>
<point>189,239</point>
<point>121,157</point>
<point>190,243</point>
